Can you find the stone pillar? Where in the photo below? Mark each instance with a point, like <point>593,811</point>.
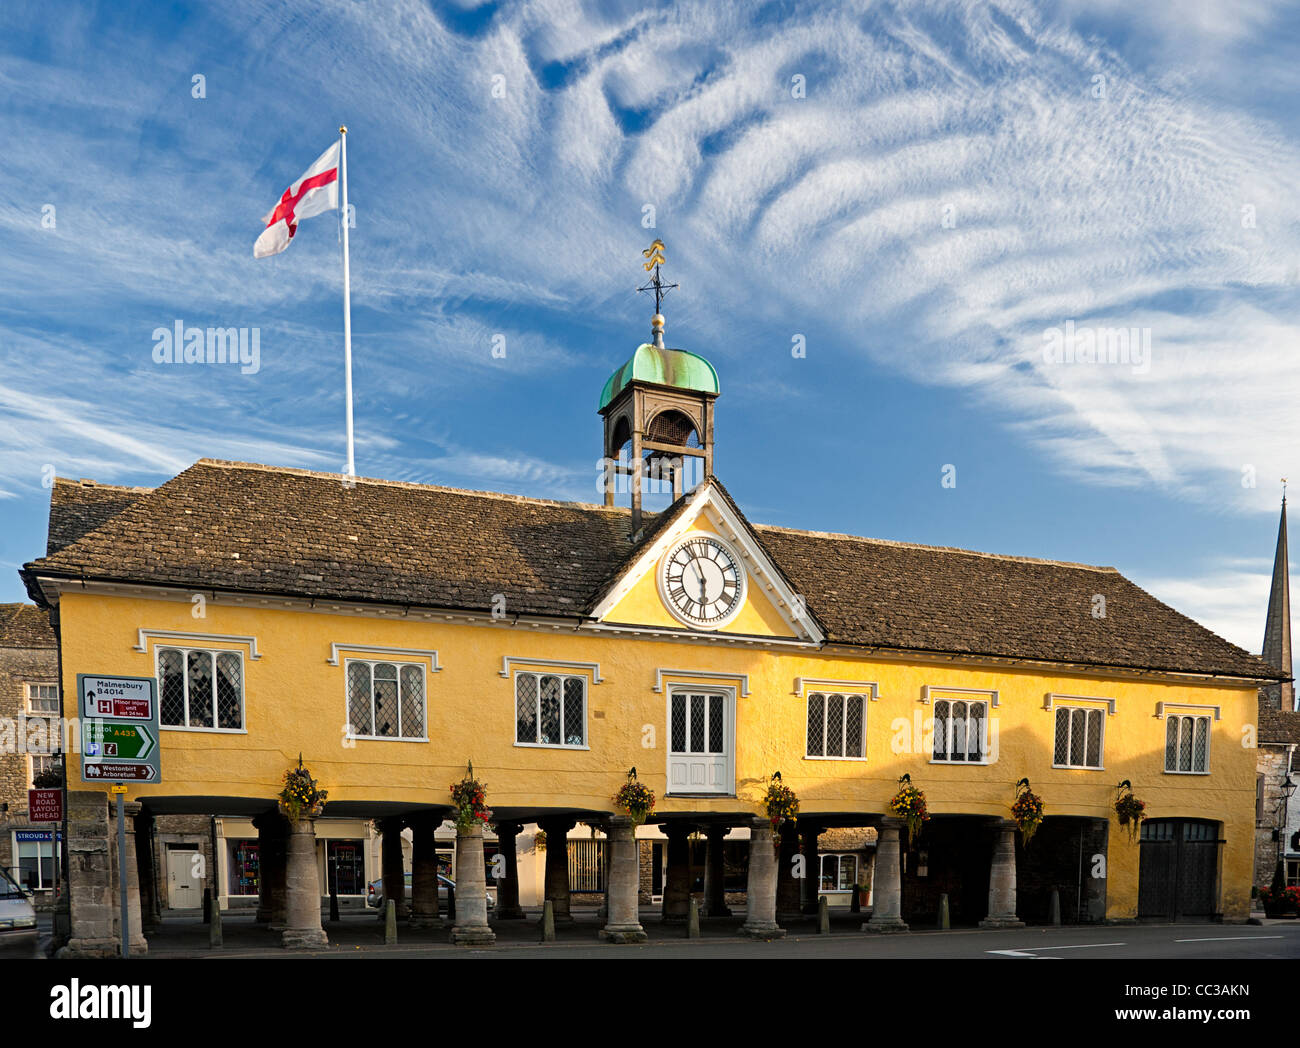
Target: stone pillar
<point>677,875</point>
<point>424,871</point>
<point>557,867</point>
<point>92,902</point>
<point>788,887</point>
<point>139,944</point>
<point>508,908</point>
<point>302,889</point>
<point>623,922</point>
<point>471,927</point>
<point>392,865</point>
<point>715,888</point>
<point>272,845</point>
<point>1002,879</point>
<point>812,867</point>
<point>145,865</point>
<point>887,884</point>
<point>760,891</point>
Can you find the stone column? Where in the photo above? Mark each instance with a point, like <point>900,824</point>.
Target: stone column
<point>139,944</point>
<point>623,923</point>
<point>715,887</point>
<point>302,889</point>
<point>677,876</point>
<point>272,844</point>
<point>92,900</point>
<point>1002,878</point>
<point>788,887</point>
<point>392,865</point>
<point>760,890</point>
<point>508,908</point>
<point>812,867</point>
<point>557,867</point>
<point>424,871</point>
<point>887,886</point>
<point>471,927</point>
<point>145,866</point>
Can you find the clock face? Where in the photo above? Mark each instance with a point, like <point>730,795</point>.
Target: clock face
<point>702,581</point>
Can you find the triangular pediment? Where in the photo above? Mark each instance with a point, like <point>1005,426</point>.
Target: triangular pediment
<point>703,541</point>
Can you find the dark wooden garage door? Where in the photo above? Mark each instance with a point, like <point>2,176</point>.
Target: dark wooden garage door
<point>1178,870</point>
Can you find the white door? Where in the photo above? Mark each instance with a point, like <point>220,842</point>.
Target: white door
<point>182,883</point>
<point>699,741</point>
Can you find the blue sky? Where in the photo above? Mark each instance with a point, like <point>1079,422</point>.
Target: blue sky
<point>921,191</point>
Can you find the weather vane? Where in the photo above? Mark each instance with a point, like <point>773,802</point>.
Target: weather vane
<point>654,256</point>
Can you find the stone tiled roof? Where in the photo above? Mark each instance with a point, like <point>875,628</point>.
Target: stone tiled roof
<point>80,506</point>
<point>259,529</point>
<point>25,626</point>
<point>1279,726</point>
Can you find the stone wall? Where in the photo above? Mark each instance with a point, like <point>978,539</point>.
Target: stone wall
<point>1271,762</point>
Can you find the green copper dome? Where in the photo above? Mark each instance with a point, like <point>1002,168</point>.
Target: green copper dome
<point>664,367</point>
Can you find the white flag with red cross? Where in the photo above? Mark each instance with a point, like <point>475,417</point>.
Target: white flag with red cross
<point>316,191</point>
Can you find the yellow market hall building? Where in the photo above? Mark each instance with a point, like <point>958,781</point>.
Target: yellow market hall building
<point>386,634</point>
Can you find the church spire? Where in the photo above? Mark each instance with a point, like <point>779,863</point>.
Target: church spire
<point>1277,629</point>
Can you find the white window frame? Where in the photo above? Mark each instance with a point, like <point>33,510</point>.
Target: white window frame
<point>56,849</point>
<point>988,705</point>
<point>563,677</point>
<point>30,686</point>
<point>185,677</point>
<point>1192,717</point>
<point>1070,707</point>
<point>32,758</point>
<point>730,717</point>
<point>400,665</point>
<point>839,857</point>
<point>824,694</point>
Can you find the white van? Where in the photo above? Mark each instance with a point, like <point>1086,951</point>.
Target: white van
<point>17,915</point>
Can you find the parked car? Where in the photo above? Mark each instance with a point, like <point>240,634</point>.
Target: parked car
<point>375,893</point>
<point>17,915</point>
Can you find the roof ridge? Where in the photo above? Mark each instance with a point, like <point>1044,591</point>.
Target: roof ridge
<point>381,482</point>
<point>938,549</point>
<point>86,482</point>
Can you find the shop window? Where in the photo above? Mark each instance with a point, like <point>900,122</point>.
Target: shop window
<point>244,867</point>
<point>34,854</point>
<point>346,866</point>
<point>839,872</point>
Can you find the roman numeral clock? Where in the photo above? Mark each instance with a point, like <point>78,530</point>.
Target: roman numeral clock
<point>702,582</point>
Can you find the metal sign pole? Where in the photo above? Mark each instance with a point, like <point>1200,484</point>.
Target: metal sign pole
<point>121,870</point>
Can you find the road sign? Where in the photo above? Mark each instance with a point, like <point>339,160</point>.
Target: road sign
<point>119,728</point>
<point>45,805</point>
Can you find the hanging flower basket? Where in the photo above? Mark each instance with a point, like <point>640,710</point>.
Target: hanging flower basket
<point>781,804</point>
<point>1128,810</point>
<point>470,798</point>
<point>635,798</point>
<point>1027,811</point>
<point>909,805</point>
<point>301,796</point>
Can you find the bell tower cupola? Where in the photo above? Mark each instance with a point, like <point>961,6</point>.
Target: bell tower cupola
<point>658,411</point>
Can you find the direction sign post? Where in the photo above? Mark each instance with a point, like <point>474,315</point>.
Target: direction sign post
<point>119,744</point>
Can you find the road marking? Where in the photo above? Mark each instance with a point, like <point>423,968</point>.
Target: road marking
<point>1233,938</point>
<point>1024,950</point>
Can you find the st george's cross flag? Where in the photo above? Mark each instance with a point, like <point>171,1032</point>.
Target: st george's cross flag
<point>316,191</point>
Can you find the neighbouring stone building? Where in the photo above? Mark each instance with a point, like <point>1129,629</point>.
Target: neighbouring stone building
<point>29,698</point>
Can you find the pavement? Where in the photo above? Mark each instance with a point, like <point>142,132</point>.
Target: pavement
<point>362,936</point>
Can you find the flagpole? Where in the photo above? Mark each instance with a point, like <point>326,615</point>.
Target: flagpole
<point>347,298</point>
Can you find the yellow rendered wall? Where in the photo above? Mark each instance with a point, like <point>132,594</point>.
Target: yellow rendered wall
<point>295,702</point>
